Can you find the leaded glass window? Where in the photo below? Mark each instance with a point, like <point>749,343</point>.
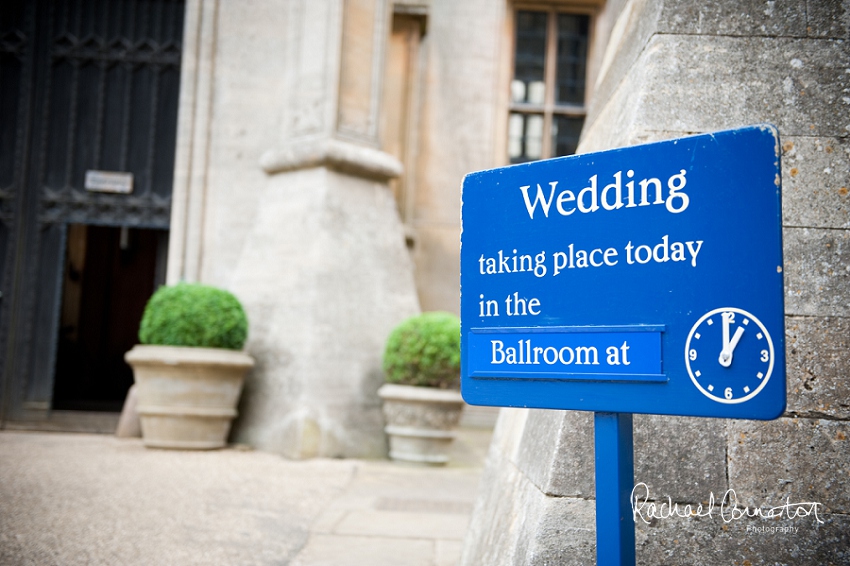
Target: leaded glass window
<point>548,88</point>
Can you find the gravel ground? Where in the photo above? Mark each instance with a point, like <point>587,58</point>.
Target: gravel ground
<point>86,499</point>
<point>69,499</point>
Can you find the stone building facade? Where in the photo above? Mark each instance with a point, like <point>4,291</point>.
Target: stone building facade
<point>320,147</point>
<point>311,164</point>
<point>320,150</point>
<point>673,68</point>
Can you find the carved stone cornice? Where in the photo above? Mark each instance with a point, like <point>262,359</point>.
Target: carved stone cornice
<point>333,153</point>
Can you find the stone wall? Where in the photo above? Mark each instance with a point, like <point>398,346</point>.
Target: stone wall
<point>459,132</point>
<point>673,68</point>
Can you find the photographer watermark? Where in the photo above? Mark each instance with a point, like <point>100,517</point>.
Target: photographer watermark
<point>766,530</point>
<point>728,509</point>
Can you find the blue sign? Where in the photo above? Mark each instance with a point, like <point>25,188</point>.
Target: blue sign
<point>646,279</point>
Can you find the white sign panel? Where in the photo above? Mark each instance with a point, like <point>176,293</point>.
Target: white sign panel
<point>109,182</point>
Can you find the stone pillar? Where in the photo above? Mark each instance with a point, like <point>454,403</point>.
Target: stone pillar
<point>325,273</point>
<point>288,206</point>
<point>673,68</point>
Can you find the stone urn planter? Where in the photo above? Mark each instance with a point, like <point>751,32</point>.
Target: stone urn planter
<point>187,396</point>
<point>421,422</point>
<point>421,401</point>
<point>189,369</point>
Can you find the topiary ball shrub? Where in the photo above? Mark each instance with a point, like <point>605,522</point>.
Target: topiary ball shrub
<point>190,314</point>
<point>424,350</point>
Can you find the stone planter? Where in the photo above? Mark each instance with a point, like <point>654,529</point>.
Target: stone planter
<point>187,396</point>
<point>420,422</point>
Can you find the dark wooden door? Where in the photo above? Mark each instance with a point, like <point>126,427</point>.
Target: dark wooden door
<point>88,89</point>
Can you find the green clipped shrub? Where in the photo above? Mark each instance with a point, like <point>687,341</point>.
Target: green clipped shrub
<point>425,350</point>
<point>189,314</point>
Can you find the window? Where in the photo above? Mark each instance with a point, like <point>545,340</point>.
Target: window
<point>548,87</point>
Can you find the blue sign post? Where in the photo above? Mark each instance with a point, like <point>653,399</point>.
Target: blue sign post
<point>646,279</point>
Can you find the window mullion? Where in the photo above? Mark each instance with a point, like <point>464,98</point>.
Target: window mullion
<point>549,81</point>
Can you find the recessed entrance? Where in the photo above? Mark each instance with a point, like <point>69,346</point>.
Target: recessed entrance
<point>110,272</point>
<point>89,92</point>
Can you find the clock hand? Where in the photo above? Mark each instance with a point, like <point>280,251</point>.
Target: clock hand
<point>727,319</point>
<point>738,333</point>
<point>725,358</point>
<point>726,353</point>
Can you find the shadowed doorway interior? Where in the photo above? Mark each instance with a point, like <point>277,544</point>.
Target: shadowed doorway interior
<point>89,96</point>
<point>110,272</point>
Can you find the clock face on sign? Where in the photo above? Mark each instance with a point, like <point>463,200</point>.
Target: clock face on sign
<point>729,355</point>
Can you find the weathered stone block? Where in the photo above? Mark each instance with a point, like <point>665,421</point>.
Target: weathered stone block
<point>828,18</point>
<point>815,182</point>
<point>508,432</point>
<point>539,446</point>
<point>527,527</point>
<point>817,272</point>
<point>708,541</point>
<point>804,460</point>
<point>797,84</point>
<point>633,28</point>
<point>557,454</point>
<point>493,527</point>
<point>683,458</point>
<point>817,361</point>
<point>751,18</point>
<point>562,532</point>
<point>742,18</point>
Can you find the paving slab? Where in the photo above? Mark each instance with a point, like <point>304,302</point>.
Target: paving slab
<point>398,513</point>
<point>330,550</point>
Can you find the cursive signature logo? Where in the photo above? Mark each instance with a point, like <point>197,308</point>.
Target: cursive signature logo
<point>729,508</point>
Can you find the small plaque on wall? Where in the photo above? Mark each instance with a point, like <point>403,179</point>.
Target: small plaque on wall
<point>109,182</point>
